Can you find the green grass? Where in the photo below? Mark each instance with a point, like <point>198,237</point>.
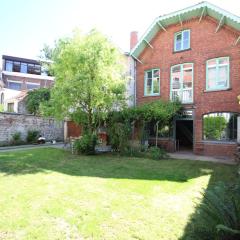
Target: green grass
<point>51,194</point>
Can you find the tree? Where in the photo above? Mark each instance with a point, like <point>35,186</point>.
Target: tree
<point>35,97</point>
<point>89,80</point>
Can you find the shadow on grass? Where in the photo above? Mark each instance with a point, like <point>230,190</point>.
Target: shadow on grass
<point>200,226</point>
<point>106,166</point>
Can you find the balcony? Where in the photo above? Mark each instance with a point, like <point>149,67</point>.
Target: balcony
<point>183,95</point>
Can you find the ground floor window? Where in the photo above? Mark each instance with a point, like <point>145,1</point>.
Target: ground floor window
<point>10,107</point>
<point>163,131</point>
<point>220,126</point>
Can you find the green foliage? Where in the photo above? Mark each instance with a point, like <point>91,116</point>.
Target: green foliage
<point>86,144</point>
<point>32,136</point>
<point>89,79</point>
<point>154,153</point>
<point>1,108</point>
<point>16,138</point>
<point>213,127</point>
<point>119,122</point>
<point>162,111</point>
<point>220,209</point>
<point>36,97</point>
<point>119,134</point>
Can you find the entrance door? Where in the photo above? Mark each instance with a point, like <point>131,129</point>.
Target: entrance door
<point>184,135</point>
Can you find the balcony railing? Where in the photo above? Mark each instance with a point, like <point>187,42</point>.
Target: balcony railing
<point>183,95</point>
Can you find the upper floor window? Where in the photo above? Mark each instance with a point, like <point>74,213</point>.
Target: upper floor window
<point>220,126</point>
<point>152,82</point>
<point>14,66</point>
<point>23,68</point>
<point>182,40</point>
<point>217,73</point>
<point>14,85</point>
<point>9,66</point>
<point>182,82</point>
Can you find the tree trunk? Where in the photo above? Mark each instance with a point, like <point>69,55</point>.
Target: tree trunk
<point>90,121</point>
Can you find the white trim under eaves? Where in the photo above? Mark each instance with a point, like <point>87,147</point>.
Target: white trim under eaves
<point>27,75</point>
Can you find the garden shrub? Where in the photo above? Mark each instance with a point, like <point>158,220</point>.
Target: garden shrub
<point>119,134</point>
<point>86,144</point>
<point>32,136</point>
<point>220,209</point>
<point>155,153</point>
<point>16,138</point>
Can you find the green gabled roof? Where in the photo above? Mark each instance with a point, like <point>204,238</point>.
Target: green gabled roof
<point>198,10</point>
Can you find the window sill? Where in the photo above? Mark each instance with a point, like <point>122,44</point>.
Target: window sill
<point>184,50</point>
<point>160,138</point>
<point>152,95</point>
<point>219,142</point>
<point>217,90</point>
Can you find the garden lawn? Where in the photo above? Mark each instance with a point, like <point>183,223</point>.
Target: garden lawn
<point>51,194</point>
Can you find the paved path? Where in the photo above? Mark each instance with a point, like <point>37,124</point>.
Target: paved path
<point>29,147</point>
<point>191,156</point>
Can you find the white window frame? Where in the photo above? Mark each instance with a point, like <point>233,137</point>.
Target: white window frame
<point>31,83</point>
<point>145,83</point>
<point>181,89</point>
<point>175,40</point>
<point>12,81</point>
<point>215,88</point>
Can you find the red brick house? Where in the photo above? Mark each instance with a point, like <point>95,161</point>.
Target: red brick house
<point>193,55</point>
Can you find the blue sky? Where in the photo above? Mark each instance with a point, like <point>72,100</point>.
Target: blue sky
<point>27,24</point>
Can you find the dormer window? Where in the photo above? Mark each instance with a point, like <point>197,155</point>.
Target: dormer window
<point>182,40</point>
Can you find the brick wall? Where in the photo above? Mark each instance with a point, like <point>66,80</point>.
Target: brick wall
<point>12,123</point>
<point>205,44</point>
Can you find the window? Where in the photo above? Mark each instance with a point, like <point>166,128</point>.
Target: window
<point>220,126</point>
<point>34,69</point>
<point>10,107</point>
<point>32,85</point>
<point>16,66</point>
<point>23,68</point>
<point>2,98</point>
<point>14,85</point>
<point>182,82</point>
<point>217,73</point>
<point>182,40</point>
<point>152,82</point>
<point>9,66</point>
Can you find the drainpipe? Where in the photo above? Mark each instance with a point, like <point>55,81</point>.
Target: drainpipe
<point>135,82</point>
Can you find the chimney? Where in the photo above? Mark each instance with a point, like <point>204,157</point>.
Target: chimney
<point>133,39</point>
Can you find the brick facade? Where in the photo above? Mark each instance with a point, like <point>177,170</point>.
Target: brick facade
<point>205,44</point>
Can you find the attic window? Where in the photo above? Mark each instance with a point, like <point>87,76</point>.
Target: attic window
<point>182,40</point>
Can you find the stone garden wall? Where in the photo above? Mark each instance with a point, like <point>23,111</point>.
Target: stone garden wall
<point>11,123</point>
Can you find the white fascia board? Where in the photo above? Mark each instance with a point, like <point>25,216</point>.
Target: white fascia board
<point>27,75</point>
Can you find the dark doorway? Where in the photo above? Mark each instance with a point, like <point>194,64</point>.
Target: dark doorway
<point>184,135</point>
